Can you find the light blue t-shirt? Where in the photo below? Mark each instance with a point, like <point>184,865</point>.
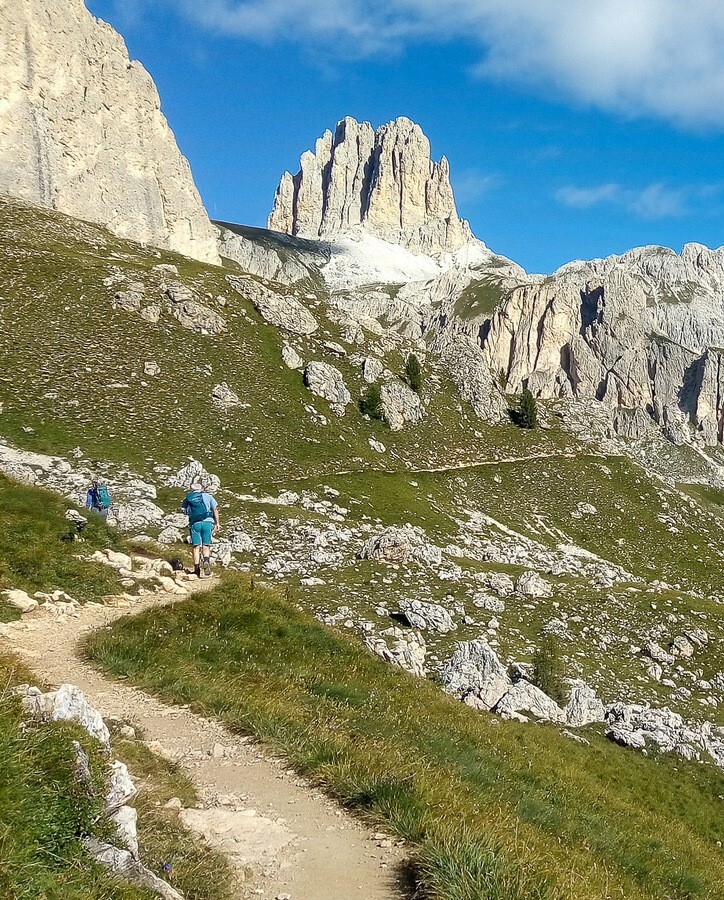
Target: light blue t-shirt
<point>209,502</point>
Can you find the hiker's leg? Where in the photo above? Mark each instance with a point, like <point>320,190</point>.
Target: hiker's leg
<point>207,538</point>
<point>196,541</point>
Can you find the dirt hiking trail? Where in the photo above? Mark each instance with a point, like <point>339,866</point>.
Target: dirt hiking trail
<point>282,836</point>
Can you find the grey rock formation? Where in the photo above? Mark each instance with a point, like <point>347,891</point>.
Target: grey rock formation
<point>283,311</point>
<point>67,704</point>
<point>126,866</point>
<point>383,181</point>
<point>327,382</point>
<point>291,358</point>
<point>633,725</point>
<point>274,257</point>
<point>640,332</point>
<point>583,706</point>
<point>401,406</point>
<point>400,545</point>
<point>223,396</point>
<point>524,697</point>
<point>530,584</point>
<point>191,472</point>
<point>183,304</point>
<point>498,582</point>
<point>135,515</point>
<point>407,652</point>
<point>468,368</point>
<point>81,130</point>
<point>372,369</point>
<point>427,615</point>
<point>475,675</point>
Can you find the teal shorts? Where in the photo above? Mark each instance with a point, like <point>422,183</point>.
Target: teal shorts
<point>201,533</point>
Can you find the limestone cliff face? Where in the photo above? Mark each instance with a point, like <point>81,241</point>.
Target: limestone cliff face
<point>383,181</point>
<point>81,130</point>
<point>640,331</point>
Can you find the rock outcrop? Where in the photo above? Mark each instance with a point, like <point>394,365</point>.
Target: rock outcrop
<point>400,406</point>
<point>81,130</point>
<point>383,181</point>
<point>327,382</point>
<point>640,332</point>
<point>282,311</point>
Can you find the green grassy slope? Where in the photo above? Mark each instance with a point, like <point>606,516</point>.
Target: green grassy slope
<point>492,809</point>
<point>73,371</point>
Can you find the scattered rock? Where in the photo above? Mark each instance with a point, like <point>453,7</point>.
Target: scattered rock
<point>126,866</point>
<point>372,369</point>
<point>524,697</point>
<point>20,600</point>
<point>427,615</point>
<point>283,311</point>
<point>400,545</point>
<point>475,675</point>
<point>400,405</point>
<point>681,647</point>
<point>67,704</point>
<point>408,652</point>
<point>224,396</point>
<point>327,382</point>
<point>191,472</point>
<point>291,358</point>
<point>530,584</point>
<point>584,706</point>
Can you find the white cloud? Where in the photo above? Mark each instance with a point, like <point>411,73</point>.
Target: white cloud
<point>655,201</point>
<point>472,185</point>
<point>637,57</point>
<point>585,198</point>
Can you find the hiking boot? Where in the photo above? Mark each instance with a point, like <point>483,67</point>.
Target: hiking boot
<point>207,567</point>
<point>197,571</point>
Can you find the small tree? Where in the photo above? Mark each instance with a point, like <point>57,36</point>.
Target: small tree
<point>527,410</point>
<point>370,403</point>
<point>503,380</point>
<point>548,670</point>
<point>413,371</point>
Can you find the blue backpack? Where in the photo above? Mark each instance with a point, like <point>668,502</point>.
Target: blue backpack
<point>102,497</point>
<point>196,509</point>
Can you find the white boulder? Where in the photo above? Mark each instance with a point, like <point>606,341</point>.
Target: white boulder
<point>427,615</point>
<point>475,675</point>
<point>327,382</point>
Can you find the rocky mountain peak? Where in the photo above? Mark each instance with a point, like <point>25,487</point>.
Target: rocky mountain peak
<point>383,181</point>
<point>81,130</point>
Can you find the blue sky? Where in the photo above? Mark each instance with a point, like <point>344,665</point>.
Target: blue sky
<point>573,129</point>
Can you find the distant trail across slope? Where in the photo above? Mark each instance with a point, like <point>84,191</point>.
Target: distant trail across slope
<point>303,844</point>
<point>456,467</point>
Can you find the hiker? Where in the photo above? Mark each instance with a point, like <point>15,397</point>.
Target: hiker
<point>203,512</point>
<point>98,498</point>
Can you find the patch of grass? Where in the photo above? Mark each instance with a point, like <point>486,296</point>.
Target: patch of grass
<point>45,811</point>
<point>493,809</point>
<point>36,553</point>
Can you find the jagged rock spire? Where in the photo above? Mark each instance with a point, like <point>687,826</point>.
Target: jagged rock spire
<point>382,180</point>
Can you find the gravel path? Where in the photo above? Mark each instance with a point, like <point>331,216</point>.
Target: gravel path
<point>283,837</point>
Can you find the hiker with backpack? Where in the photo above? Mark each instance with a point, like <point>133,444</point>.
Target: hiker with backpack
<point>98,498</point>
<point>203,512</point>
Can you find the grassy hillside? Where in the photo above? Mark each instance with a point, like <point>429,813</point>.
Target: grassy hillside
<point>493,809</point>
<point>73,371</point>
